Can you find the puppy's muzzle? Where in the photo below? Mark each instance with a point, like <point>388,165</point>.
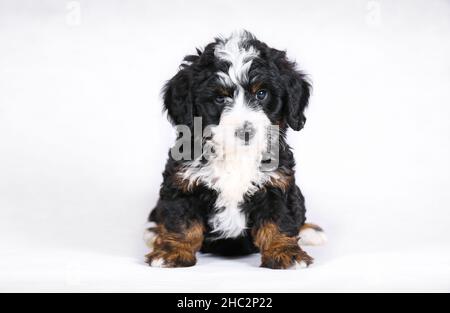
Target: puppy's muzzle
<point>246,132</point>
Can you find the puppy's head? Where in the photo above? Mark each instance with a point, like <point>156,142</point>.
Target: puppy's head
<point>240,85</point>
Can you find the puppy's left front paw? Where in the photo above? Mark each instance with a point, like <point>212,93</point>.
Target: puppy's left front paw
<point>285,258</point>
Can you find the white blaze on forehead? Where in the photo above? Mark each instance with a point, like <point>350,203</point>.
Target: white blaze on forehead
<point>240,58</point>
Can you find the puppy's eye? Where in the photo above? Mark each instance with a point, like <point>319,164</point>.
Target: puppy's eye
<point>220,99</point>
<point>261,94</point>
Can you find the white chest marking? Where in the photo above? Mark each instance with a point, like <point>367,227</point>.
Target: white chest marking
<point>232,179</point>
<point>234,172</point>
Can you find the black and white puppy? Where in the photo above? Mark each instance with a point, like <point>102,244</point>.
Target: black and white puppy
<point>229,185</point>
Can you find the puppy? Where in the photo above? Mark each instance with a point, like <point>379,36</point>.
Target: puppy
<point>229,185</point>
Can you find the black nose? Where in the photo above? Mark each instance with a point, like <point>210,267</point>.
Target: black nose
<point>246,132</point>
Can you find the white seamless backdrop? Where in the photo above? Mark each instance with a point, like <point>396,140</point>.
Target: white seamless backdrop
<point>83,141</point>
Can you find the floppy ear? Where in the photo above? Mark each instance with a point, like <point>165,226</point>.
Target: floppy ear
<point>296,93</point>
<point>178,100</point>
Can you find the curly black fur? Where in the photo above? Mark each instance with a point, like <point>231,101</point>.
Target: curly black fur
<point>190,93</point>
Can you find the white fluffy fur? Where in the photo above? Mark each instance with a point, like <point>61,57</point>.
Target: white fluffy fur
<point>300,265</point>
<point>240,59</point>
<point>157,263</point>
<point>312,237</point>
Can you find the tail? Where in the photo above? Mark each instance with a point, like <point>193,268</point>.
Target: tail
<point>312,235</point>
<point>150,234</point>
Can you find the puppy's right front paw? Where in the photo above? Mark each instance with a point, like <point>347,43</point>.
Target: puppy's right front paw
<point>170,249</point>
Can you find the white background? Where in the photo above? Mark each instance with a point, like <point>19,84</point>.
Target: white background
<point>83,141</point>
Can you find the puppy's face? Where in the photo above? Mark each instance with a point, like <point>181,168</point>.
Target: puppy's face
<point>241,87</point>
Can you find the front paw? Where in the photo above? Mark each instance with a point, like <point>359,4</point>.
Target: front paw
<point>170,259</point>
<point>285,258</point>
<point>174,249</point>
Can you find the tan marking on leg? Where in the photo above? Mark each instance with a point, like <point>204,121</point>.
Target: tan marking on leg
<point>278,250</point>
<point>177,249</point>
